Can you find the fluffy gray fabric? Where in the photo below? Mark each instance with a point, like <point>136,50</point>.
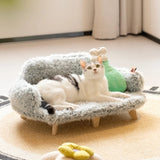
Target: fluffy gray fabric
<point>26,99</point>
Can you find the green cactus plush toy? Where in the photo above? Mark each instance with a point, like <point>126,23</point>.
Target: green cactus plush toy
<point>116,81</point>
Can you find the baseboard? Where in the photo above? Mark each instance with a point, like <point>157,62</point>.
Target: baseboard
<point>65,35</point>
<point>153,38</point>
<point>49,36</point>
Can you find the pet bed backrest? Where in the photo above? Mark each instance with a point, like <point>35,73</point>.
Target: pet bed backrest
<point>40,68</point>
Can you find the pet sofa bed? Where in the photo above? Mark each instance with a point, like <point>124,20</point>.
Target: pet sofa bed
<point>26,99</point>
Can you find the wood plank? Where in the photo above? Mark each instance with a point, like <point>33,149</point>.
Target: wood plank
<point>24,118</point>
<point>54,129</point>
<point>95,121</point>
<point>133,114</point>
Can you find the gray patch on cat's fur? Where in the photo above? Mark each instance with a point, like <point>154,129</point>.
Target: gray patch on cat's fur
<point>57,78</point>
<point>72,80</point>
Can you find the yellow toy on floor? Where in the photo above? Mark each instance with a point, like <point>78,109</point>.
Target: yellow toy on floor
<point>72,151</point>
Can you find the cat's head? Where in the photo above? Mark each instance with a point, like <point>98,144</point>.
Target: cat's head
<point>94,69</point>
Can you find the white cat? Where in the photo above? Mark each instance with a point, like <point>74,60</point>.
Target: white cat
<point>92,85</point>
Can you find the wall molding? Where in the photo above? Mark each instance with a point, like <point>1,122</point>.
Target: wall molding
<point>153,38</point>
<point>48,36</point>
<point>66,35</point>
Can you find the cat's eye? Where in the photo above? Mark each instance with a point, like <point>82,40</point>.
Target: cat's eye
<point>97,65</point>
<point>89,67</point>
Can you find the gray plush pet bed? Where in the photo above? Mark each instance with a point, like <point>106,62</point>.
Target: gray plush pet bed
<point>26,99</point>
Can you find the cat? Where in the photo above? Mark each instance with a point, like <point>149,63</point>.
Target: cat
<point>92,85</point>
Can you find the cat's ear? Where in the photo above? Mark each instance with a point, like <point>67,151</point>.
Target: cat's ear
<point>99,59</point>
<point>83,64</point>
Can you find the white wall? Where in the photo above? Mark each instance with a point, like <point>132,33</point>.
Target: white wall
<point>151,17</point>
<point>20,18</point>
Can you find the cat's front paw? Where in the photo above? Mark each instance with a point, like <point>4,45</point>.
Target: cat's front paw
<point>72,107</point>
<point>126,96</point>
<point>119,100</point>
<point>123,95</point>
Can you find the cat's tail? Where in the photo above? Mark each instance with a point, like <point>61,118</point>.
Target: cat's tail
<point>45,105</point>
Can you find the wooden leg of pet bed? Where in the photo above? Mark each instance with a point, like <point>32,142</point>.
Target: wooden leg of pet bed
<point>24,118</point>
<point>133,114</point>
<point>95,121</point>
<point>54,129</point>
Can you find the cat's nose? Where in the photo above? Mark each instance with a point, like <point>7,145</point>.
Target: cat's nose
<point>94,69</point>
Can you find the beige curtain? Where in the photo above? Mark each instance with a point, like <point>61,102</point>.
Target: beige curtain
<point>113,18</point>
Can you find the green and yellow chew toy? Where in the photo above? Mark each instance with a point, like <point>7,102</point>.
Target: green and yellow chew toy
<point>72,150</point>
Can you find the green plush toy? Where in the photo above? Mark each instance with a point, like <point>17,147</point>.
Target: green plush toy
<point>116,81</point>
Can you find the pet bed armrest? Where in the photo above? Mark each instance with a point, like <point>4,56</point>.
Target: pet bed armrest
<point>25,97</point>
<point>134,80</point>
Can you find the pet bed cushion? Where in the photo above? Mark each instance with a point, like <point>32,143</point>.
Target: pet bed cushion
<point>26,99</point>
